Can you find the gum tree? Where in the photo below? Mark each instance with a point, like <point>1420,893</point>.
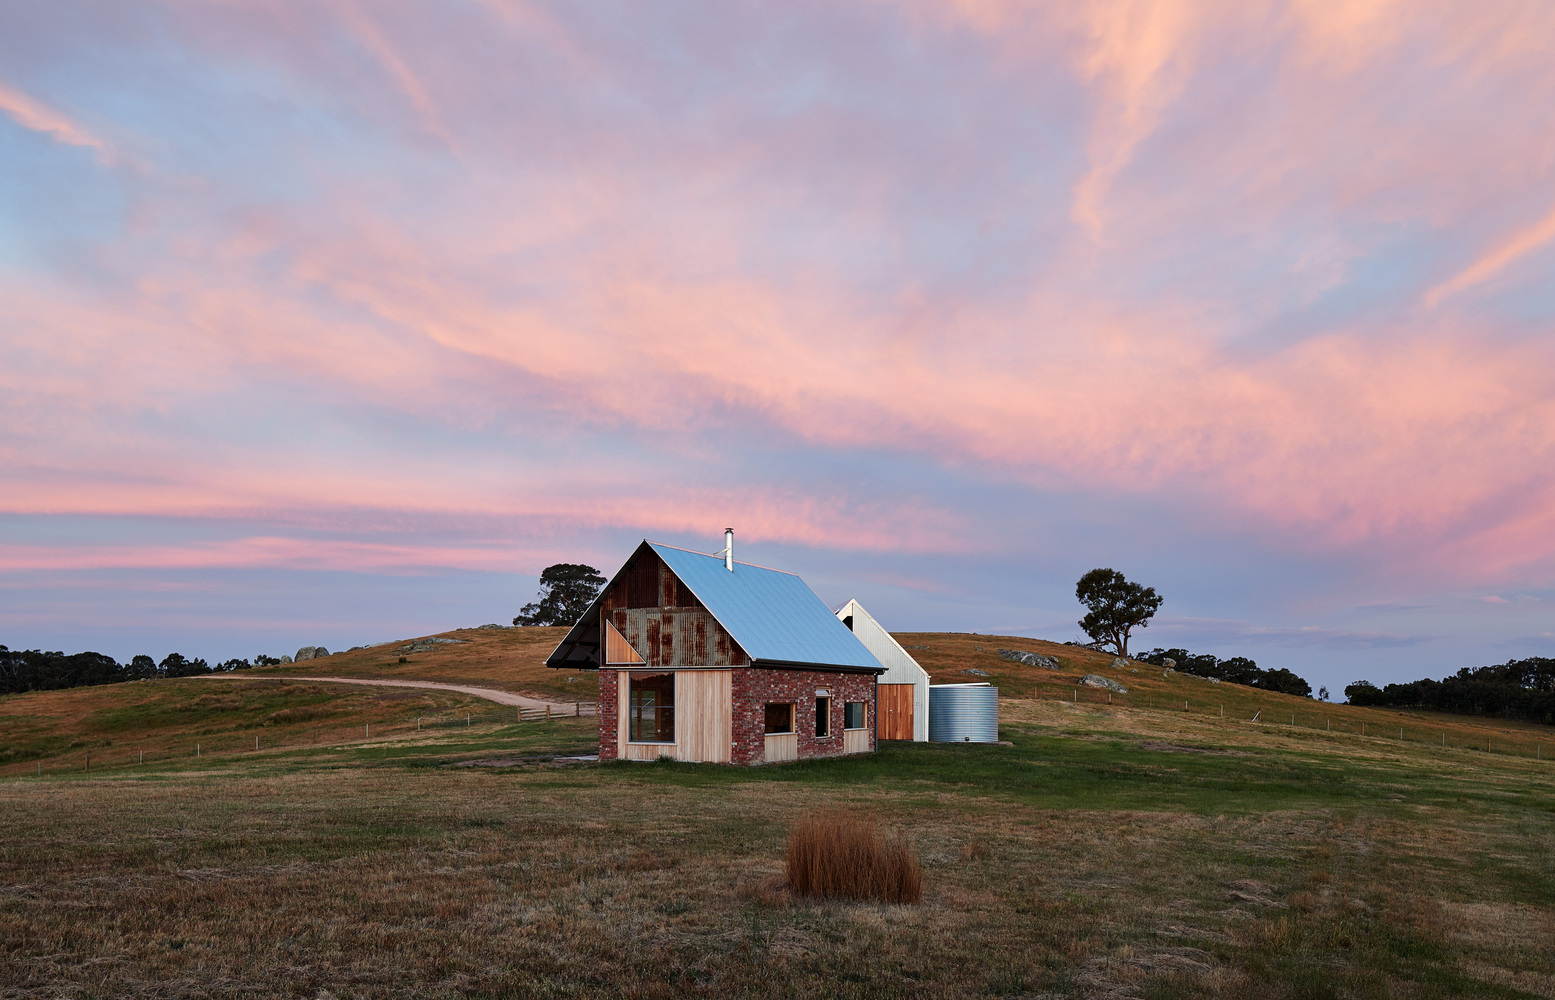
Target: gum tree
<point>1115,607</point>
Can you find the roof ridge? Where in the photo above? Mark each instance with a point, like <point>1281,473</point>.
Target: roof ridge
<point>719,555</point>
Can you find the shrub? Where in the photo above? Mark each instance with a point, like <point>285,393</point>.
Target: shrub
<point>840,855</point>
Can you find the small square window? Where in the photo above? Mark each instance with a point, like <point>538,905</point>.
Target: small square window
<point>822,718</point>
<point>780,719</point>
<point>854,716</point>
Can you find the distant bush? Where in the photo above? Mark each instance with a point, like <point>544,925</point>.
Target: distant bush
<point>840,855</point>
<point>178,665</point>
<point>1236,670</point>
<point>1516,689</point>
<point>37,670</point>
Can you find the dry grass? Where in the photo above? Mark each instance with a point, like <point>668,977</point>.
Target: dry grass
<point>151,722</point>
<point>1104,854</point>
<point>945,655</point>
<point>841,855</point>
<point>509,659</point>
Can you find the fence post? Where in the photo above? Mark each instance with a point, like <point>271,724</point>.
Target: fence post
<point>577,709</point>
<point>467,720</point>
<point>547,711</point>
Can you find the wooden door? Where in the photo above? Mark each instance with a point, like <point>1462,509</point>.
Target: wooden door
<point>896,711</point>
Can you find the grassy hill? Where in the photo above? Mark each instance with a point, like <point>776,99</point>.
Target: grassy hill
<point>509,659</point>
<point>514,660</point>
<point>1132,849</point>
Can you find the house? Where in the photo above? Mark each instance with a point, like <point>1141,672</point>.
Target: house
<point>703,658</point>
<point>903,688</point>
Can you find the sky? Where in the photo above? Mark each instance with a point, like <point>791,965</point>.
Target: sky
<point>333,322</point>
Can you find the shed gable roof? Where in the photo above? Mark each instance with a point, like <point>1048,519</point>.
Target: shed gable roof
<point>774,616</point>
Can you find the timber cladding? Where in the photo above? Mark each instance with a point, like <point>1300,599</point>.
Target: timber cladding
<point>703,715</point>
<point>703,718</point>
<point>896,711</point>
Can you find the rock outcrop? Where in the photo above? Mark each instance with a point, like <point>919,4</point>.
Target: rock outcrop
<point>422,645</point>
<point>1098,681</point>
<point>1030,659</point>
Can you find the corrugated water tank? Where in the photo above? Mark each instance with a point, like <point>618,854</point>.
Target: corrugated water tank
<point>963,713</point>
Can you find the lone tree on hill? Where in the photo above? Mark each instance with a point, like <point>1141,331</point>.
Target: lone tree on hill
<point>566,590</point>
<point>1115,605</point>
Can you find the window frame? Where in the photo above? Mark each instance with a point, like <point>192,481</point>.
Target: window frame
<point>823,716</point>
<point>634,722</point>
<point>793,720</point>
<point>863,711</point>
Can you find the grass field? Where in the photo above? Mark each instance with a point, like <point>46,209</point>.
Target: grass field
<point>1137,849</point>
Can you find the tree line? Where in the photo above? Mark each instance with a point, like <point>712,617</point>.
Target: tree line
<point>1235,670</point>
<point>1516,689</point>
<point>38,670</point>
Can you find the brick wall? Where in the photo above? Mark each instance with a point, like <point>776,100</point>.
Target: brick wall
<point>609,703</point>
<point>754,687</point>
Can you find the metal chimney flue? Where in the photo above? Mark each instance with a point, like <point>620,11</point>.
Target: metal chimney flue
<point>729,549</point>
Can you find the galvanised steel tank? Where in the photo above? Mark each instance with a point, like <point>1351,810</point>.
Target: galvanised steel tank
<point>963,713</point>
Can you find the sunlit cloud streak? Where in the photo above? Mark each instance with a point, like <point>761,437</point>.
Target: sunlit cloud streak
<point>34,114</point>
<point>607,269</point>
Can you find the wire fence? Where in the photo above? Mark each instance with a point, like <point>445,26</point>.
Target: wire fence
<point>330,733</point>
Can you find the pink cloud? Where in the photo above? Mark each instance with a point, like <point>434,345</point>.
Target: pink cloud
<point>33,114</point>
<point>626,274</point>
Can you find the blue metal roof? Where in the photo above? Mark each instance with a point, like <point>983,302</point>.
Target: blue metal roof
<point>773,615</point>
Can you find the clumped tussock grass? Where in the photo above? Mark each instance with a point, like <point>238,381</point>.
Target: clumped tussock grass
<point>841,855</point>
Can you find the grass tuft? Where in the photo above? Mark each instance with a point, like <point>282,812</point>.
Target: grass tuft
<point>841,855</point>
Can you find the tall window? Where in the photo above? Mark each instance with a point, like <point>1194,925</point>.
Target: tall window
<point>780,719</point>
<point>853,715</point>
<point>822,717</point>
<point>652,707</point>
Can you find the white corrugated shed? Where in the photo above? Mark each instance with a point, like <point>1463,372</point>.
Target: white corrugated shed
<point>900,667</point>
